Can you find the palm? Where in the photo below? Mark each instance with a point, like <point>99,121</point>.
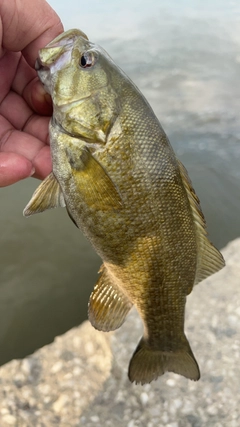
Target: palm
<point>23,121</point>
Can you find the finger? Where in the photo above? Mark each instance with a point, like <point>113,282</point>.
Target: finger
<point>16,112</point>
<point>28,25</point>
<point>15,141</point>
<point>37,98</point>
<point>8,66</point>
<point>38,127</point>
<point>42,163</point>
<point>27,146</point>
<point>27,84</point>
<point>13,168</point>
<point>15,73</point>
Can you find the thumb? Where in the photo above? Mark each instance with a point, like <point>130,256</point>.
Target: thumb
<point>28,26</point>
<point>13,168</point>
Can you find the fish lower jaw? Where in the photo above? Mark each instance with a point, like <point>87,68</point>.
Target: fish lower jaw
<point>92,144</point>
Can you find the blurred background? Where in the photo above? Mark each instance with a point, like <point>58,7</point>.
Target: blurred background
<point>185,58</point>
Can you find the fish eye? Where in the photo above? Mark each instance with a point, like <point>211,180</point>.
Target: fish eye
<point>87,60</point>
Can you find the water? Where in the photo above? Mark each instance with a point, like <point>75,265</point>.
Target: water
<point>184,56</point>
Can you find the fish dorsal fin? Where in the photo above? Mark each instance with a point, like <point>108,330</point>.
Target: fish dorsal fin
<point>210,260</point>
<point>92,181</point>
<point>108,306</point>
<point>48,195</point>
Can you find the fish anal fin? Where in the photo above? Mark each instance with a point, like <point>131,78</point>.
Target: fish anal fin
<point>108,305</point>
<point>48,195</point>
<point>93,182</point>
<point>209,259</point>
<point>148,364</point>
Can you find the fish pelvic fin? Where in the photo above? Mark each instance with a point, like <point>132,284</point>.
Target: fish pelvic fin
<point>148,364</point>
<point>210,260</point>
<point>48,195</point>
<point>108,305</point>
<point>93,182</point>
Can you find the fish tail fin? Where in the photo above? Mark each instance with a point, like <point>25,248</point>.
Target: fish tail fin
<point>148,364</point>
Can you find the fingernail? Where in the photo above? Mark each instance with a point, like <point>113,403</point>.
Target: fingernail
<point>43,94</point>
<point>32,172</point>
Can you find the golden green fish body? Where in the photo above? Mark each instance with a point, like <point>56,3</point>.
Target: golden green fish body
<point>116,172</point>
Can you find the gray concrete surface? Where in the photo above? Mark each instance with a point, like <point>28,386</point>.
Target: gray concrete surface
<point>79,381</point>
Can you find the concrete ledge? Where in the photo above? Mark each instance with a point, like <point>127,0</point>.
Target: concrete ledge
<point>71,383</point>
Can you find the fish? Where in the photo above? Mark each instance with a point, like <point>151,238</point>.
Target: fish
<point>116,173</point>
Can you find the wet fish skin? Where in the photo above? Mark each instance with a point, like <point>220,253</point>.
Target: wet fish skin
<point>123,186</point>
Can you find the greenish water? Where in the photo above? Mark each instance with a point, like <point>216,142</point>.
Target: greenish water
<point>184,56</point>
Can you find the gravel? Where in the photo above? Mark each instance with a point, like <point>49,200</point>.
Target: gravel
<point>81,378</point>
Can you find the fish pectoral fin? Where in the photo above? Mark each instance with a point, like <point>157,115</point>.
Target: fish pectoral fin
<point>108,306</point>
<point>93,182</point>
<point>48,195</point>
<point>209,260</point>
<point>148,364</point>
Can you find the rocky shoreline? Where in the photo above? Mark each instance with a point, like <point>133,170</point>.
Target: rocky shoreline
<point>81,378</point>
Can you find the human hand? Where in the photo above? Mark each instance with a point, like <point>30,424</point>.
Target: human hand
<point>26,26</point>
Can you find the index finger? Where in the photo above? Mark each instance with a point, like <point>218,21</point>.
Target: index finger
<point>28,26</point>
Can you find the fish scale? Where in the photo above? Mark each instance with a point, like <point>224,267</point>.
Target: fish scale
<point>116,172</point>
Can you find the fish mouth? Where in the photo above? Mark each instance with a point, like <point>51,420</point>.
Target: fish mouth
<point>58,51</point>
<point>43,73</point>
<point>58,125</point>
<point>67,37</point>
<point>38,65</point>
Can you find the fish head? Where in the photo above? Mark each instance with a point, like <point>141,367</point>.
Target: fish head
<point>78,75</point>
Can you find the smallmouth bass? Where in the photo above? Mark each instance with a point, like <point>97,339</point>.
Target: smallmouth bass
<point>116,172</point>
